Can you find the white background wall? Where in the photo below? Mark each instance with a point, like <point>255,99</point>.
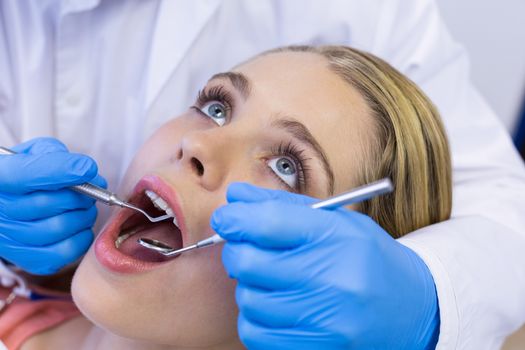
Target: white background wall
<point>493,31</point>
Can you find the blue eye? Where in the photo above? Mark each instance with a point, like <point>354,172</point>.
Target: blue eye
<point>285,168</point>
<point>216,111</point>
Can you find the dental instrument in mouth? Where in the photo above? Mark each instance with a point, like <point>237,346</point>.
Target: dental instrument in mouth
<point>102,195</point>
<point>356,195</point>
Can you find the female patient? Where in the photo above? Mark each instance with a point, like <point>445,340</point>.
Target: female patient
<point>316,121</point>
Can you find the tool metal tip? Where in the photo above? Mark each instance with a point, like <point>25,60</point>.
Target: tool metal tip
<point>152,219</point>
<point>155,245</point>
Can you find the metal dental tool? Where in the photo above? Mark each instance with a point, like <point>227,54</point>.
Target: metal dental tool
<point>100,194</point>
<point>356,195</point>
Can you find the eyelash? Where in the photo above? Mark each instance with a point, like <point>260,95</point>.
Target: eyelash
<point>215,93</point>
<point>288,149</point>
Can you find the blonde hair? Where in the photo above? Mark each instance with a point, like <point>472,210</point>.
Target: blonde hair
<point>410,145</point>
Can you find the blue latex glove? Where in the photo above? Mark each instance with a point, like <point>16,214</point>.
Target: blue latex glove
<point>44,226</point>
<point>318,279</point>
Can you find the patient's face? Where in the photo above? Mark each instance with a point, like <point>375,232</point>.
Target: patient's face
<point>281,121</point>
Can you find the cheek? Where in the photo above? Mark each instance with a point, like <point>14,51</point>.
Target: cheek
<point>258,174</point>
<point>155,152</point>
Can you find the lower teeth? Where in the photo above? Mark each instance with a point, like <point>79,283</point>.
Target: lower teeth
<point>123,237</point>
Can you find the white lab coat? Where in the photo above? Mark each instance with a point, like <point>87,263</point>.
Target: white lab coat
<point>102,76</point>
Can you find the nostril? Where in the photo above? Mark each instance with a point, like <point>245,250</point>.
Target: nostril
<point>198,166</point>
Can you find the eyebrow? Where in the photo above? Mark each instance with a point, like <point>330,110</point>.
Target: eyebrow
<point>301,133</point>
<point>239,81</point>
<point>243,85</point>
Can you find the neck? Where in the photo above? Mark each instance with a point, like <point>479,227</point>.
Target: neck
<point>97,338</point>
<point>79,333</point>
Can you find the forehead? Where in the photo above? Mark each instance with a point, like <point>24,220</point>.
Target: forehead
<point>301,85</point>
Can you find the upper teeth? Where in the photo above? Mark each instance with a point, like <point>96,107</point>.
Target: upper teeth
<point>162,205</point>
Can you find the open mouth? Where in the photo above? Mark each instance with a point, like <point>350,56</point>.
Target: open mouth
<point>138,226</point>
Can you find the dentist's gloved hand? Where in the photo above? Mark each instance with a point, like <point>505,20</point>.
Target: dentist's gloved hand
<point>44,226</point>
<point>318,279</point>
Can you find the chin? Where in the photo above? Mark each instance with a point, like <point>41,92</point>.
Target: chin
<point>186,301</point>
<point>101,303</point>
<point>180,312</point>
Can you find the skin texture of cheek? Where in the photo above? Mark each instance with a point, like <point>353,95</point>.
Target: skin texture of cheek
<point>188,302</point>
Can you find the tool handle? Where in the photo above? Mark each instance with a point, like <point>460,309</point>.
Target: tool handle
<point>6,151</point>
<point>87,189</point>
<point>356,195</point>
<point>96,192</point>
<point>210,241</point>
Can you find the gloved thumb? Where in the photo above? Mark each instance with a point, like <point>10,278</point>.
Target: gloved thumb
<point>245,192</point>
<point>40,145</point>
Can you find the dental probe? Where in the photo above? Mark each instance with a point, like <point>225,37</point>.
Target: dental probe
<point>356,195</point>
<point>100,194</point>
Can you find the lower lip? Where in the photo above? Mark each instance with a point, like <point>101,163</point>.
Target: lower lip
<point>111,258</point>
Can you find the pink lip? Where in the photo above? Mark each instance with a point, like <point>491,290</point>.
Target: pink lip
<point>106,252</point>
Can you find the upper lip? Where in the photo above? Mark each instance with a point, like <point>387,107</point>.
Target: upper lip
<point>157,184</point>
<point>105,248</point>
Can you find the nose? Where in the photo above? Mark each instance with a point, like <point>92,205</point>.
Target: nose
<point>201,155</point>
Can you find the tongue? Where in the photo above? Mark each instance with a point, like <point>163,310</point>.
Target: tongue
<point>165,232</point>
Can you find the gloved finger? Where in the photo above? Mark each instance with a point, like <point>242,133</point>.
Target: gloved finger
<point>245,192</point>
<point>49,230</point>
<point>266,269</point>
<point>100,181</point>
<point>24,173</point>
<point>40,145</point>
<point>255,336</point>
<point>289,307</point>
<point>272,224</point>
<point>43,204</point>
<point>48,259</point>
<point>276,309</point>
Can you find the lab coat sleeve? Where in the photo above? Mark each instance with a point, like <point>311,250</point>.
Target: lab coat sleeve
<point>477,258</point>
